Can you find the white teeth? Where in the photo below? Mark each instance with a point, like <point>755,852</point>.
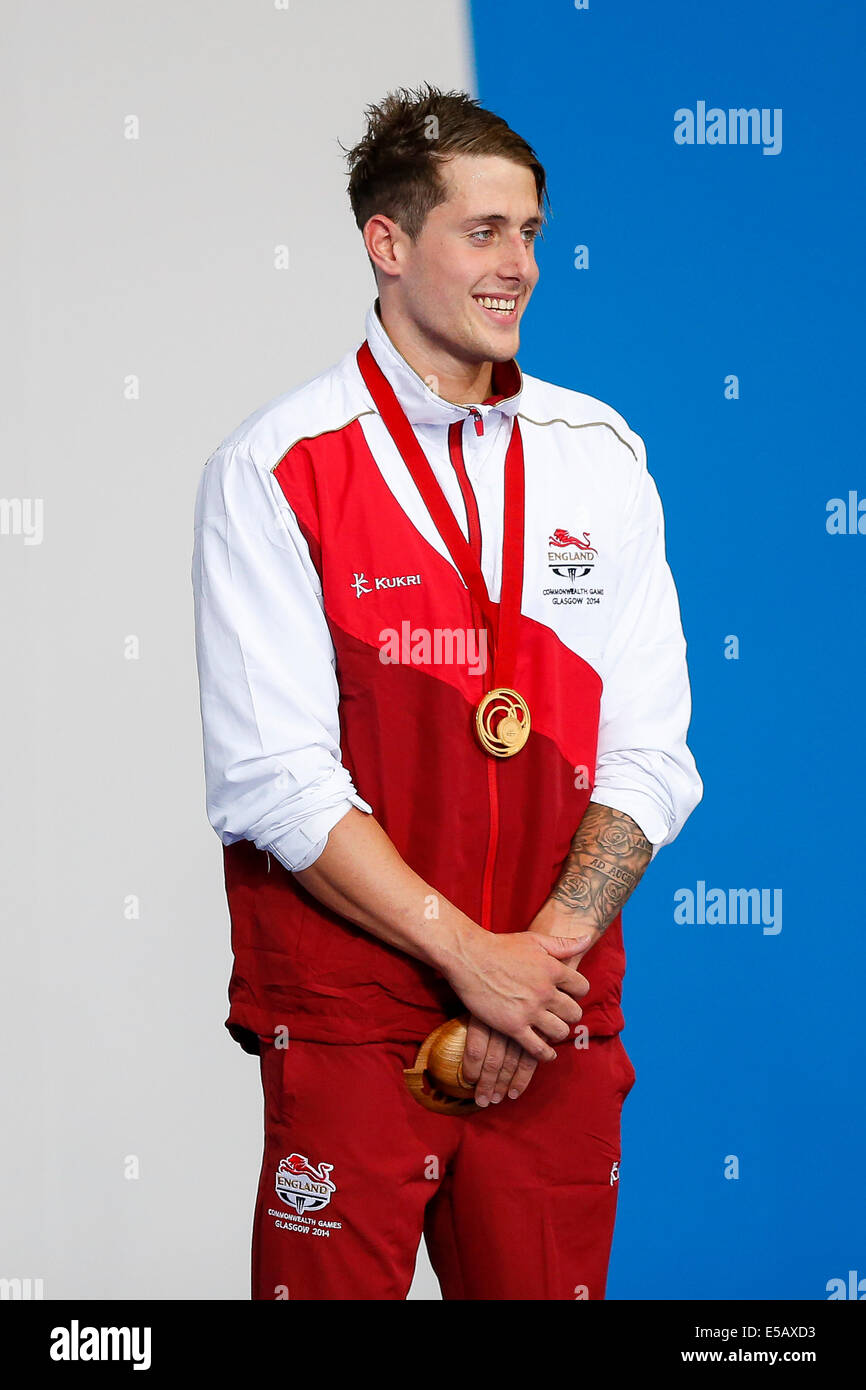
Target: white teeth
<point>504,305</point>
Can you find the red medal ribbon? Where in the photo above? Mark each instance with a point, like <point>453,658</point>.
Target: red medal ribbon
<point>502,619</point>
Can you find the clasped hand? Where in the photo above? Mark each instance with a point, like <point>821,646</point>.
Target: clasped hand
<point>494,1060</point>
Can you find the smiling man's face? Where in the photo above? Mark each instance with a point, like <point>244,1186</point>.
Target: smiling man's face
<point>478,245</point>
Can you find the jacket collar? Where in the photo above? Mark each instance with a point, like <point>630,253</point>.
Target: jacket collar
<point>423,406</point>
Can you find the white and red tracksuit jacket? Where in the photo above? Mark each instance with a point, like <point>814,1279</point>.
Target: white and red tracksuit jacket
<point>314,557</point>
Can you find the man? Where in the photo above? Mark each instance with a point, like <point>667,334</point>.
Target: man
<point>445,703</point>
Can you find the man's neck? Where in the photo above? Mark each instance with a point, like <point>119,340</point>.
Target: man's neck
<point>462,383</point>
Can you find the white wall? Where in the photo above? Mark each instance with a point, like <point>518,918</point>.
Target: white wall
<point>151,258</point>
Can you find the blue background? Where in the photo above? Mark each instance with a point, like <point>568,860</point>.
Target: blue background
<point>707,261</point>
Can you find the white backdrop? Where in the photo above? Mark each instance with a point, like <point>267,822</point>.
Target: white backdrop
<point>156,155</point>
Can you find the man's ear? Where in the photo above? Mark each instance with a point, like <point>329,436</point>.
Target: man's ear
<point>384,232</point>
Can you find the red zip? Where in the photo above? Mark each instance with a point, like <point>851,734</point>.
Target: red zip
<point>492,846</point>
<point>455,446</point>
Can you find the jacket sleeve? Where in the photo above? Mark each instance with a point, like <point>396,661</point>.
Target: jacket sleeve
<point>267,669</point>
<point>644,766</point>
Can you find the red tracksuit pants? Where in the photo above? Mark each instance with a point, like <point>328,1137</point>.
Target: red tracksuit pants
<point>515,1201</point>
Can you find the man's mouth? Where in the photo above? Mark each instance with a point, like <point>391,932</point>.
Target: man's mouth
<point>501,308</point>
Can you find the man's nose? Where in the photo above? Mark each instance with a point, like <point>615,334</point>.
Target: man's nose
<point>517,263</point>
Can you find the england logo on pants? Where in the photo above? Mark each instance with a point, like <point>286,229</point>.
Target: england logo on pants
<point>302,1186</point>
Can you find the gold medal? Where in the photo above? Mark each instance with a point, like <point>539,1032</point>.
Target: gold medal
<point>502,722</point>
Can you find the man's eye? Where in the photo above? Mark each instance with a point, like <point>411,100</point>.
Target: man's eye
<point>531,232</point>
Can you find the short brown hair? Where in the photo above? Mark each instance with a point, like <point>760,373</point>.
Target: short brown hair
<point>394,168</point>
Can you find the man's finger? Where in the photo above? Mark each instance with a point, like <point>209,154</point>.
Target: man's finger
<point>535,1045</point>
<point>563,1007</point>
<point>475,1049</point>
<point>554,1027</point>
<point>490,1069</point>
<point>563,947</point>
<point>570,981</point>
<point>512,1056</point>
<point>523,1075</point>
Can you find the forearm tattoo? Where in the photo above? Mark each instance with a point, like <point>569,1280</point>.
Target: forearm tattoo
<point>607,858</point>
